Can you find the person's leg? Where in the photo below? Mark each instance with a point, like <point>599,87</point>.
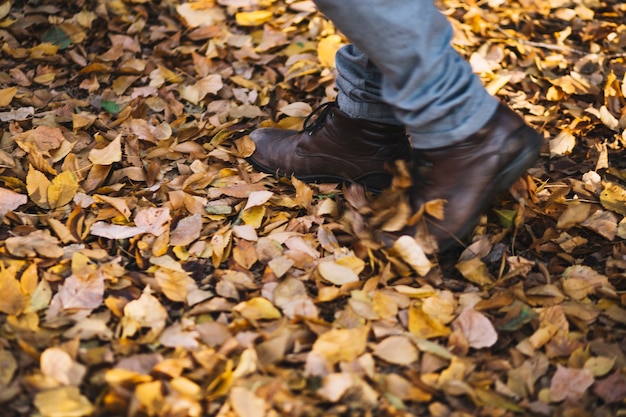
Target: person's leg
<point>468,146</point>
<point>431,87</point>
<point>359,87</point>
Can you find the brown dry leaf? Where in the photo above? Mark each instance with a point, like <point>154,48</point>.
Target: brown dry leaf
<point>10,200</point>
<point>145,312</point>
<point>599,366</point>
<point>187,231</point>
<point>398,350</point>
<point>83,291</point>
<point>603,223</point>
<point>180,335</point>
<point>109,154</point>
<point>153,220</point>
<point>475,270</point>
<point>200,13</point>
<point>59,365</point>
<point>612,389</point>
<point>42,138</point>
<point>570,383</point>
<point>8,368</point>
<point>335,385</point>
<point>257,198</point>
<point>297,109</point>
<point>175,284</point>
<point>574,214</point>
<point>291,297</point>
<point>336,274</point>
<point>38,243</point>
<point>119,203</point>
<point>115,231</point>
<point>210,84</point>
<point>579,281</point>
<point>412,253</point>
<point>477,328</point>
<point>246,404</point>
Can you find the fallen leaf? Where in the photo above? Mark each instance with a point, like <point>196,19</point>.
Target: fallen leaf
<point>412,253</point>
<point>336,274</point>
<point>59,365</point>
<point>37,243</point>
<point>109,154</point>
<point>10,200</point>
<point>477,328</point>
<point>63,402</point>
<point>397,350</point>
<point>62,189</point>
<point>257,308</point>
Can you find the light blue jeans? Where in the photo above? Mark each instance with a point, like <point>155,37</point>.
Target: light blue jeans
<point>402,69</point>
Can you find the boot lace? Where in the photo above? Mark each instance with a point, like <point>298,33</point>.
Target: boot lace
<point>311,124</point>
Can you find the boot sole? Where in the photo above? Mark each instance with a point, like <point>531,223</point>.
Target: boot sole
<point>369,181</point>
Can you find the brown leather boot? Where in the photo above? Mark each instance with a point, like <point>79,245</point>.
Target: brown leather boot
<point>332,148</point>
<point>468,175</point>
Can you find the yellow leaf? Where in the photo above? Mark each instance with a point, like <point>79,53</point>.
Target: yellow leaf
<point>82,120</point>
<point>258,308</point>
<point>29,279</point>
<point>6,95</point>
<point>255,18</point>
<point>254,216</point>
<point>62,189</point>
<point>327,48</point>
<point>476,271</point>
<point>342,344</point>
<point>613,197</point>
<point>109,154</point>
<point>37,186</point>
<point>150,395</point>
<point>422,325</point>
<point>175,285</point>
<point>63,402</point>
<point>600,366</point>
<point>13,300</point>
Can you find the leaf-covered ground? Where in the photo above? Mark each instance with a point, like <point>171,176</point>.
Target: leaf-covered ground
<point>148,270</point>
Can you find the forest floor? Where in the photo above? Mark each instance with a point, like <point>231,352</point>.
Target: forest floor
<point>148,270</point>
